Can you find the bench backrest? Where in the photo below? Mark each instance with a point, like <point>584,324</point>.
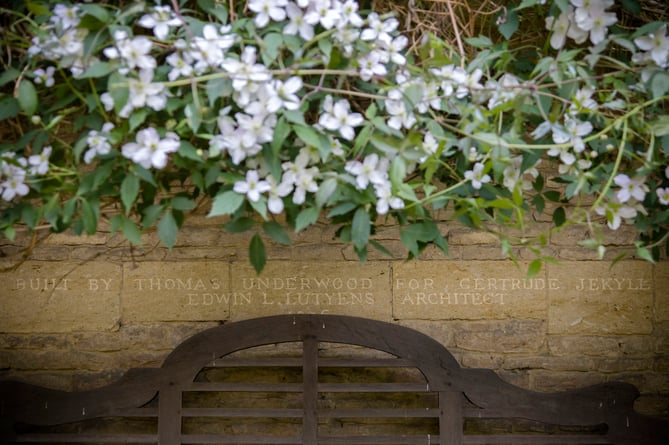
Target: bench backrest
<point>280,380</point>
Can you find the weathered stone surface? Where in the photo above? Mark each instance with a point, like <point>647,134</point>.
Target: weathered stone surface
<point>480,360</point>
<point>541,361</point>
<point>501,336</point>
<point>60,297</point>
<point>177,291</point>
<point>345,288</point>
<point>472,290</point>
<point>661,271</point>
<point>595,298</point>
<point>553,381</point>
<point>600,346</point>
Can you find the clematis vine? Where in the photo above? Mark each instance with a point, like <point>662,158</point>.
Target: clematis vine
<point>321,110</point>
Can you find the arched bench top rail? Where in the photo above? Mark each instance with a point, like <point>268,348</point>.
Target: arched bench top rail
<point>608,403</point>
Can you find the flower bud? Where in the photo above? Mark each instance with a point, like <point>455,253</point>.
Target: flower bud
<point>36,119</point>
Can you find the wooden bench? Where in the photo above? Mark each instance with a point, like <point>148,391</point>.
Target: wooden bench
<point>320,379</point>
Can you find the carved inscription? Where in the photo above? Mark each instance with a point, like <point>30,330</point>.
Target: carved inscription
<point>466,289</point>
<point>595,298</point>
<point>342,288</point>
<point>60,296</point>
<point>188,290</point>
<point>573,296</point>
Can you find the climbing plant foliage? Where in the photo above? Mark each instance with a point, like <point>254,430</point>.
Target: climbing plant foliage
<point>277,114</point>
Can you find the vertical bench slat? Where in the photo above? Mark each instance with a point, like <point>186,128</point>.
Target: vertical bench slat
<point>310,394</point>
<point>169,415</point>
<point>450,418</point>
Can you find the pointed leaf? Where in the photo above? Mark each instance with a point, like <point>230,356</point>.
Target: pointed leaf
<point>168,230</point>
<point>559,216</point>
<point>226,203</point>
<point>257,253</point>
<point>276,232</point>
<point>360,228</point>
<point>129,191</point>
<point>306,218</point>
<point>534,268</point>
<point>131,231</point>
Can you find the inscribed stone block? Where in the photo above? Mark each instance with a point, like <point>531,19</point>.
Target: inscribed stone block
<point>595,298</point>
<point>343,288</point>
<point>60,297</point>
<point>470,290</point>
<point>176,291</point>
<point>662,291</point>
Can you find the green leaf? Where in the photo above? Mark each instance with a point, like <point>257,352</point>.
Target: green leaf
<point>216,88</point>
<point>660,126</point>
<point>276,232</point>
<point>552,195</point>
<point>117,86</point>
<point>226,203</point>
<point>29,215</point>
<point>413,95</point>
<point>507,23</point>
<point>398,171</point>
<point>214,8</point>
<point>96,11</point>
<point>631,6</point>
<point>534,268</point>
<point>479,42</point>
<point>325,191</point>
<point>559,216</point>
<point>342,209</point>
<point>129,192</point>
<point>659,84</point>
<point>644,253</point>
<point>131,231</point>
<point>361,228</point>
<point>313,138</point>
<point>97,69</point>
<point>306,218</point>
<point>27,97</point>
<point>260,206</point>
<point>37,8</point>
<point>9,108</point>
<point>9,75</point>
<point>381,248</point>
<point>647,29</point>
<point>151,214</point>
<point>89,214</point>
<point>168,230</point>
<point>137,118</point>
<point>193,116</point>
<point>257,253</point>
<point>188,151</point>
<point>271,44</point>
<point>145,175</point>
<point>182,203</point>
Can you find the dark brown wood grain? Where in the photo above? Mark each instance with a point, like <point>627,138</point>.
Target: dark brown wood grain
<point>461,393</point>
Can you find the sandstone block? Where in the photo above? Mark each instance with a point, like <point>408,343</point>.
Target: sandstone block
<point>344,288</point>
<point>661,270</point>
<point>600,346</point>
<point>501,336</point>
<point>595,298</point>
<point>177,291</point>
<point>472,290</point>
<point>60,296</point>
<point>552,381</point>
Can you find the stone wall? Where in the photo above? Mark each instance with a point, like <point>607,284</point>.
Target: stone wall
<point>77,312</point>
